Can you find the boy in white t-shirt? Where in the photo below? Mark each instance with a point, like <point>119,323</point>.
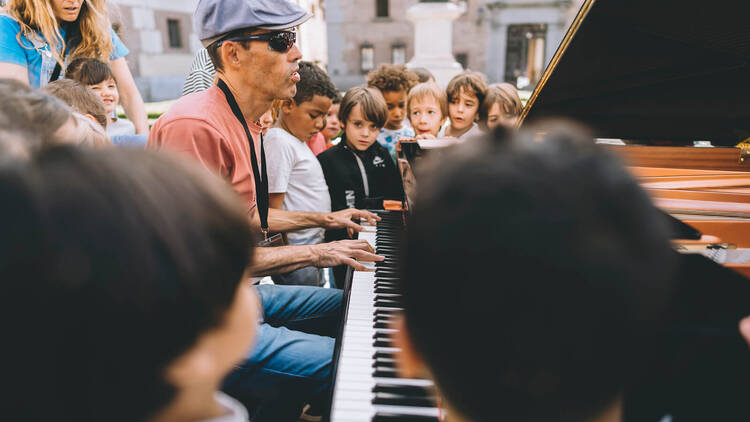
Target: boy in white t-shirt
<point>295,178</point>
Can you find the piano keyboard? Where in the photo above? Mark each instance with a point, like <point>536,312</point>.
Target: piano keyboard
<point>366,386</point>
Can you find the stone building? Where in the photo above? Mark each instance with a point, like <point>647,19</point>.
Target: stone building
<point>160,36</point>
<point>508,40</point>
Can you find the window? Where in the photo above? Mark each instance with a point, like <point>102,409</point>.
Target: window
<point>398,54</point>
<point>381,9</point>
<point>367,57</point>
<point>173,30</point>
<point>524,56</point>
<point>462,59</point>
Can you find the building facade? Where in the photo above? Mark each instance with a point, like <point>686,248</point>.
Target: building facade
<point>508,40</point>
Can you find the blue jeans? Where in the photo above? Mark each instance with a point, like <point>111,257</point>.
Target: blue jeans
<point>305,276</point>
<point>290,364</point>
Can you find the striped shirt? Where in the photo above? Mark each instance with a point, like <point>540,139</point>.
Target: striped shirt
<point>202,74</point>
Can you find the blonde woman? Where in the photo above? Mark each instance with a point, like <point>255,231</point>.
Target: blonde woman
<point>38,38</point>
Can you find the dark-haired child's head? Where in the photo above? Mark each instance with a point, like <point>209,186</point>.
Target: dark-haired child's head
<point>394,82</point>
<point>465,92</point>
<point>543,316</point>
<point>333,125</point>
<point>305,115</point>
<point>98,76</point>
<point>427,108</point>
<point>501,106</point>
<point>423,74</point>
<point>362,114</point>
<point>108,276</point>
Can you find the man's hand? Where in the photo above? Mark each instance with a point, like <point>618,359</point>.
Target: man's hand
<point>745,329</point>
<point>344,252</point>
<point>343,219</point>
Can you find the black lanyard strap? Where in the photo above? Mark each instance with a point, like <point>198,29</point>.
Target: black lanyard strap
<point>261,183</point>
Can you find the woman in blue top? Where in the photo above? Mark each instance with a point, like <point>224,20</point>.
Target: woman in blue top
<point>33,42</point>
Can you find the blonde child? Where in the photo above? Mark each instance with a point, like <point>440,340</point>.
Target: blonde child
<point>465,92</point>
<point>427,108</point>
<point>501,106</point>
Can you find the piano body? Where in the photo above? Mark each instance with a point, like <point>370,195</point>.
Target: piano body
<point>666,85</point>
<point>659,77</point>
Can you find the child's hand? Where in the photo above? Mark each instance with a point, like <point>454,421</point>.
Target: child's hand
<point>426,136</point>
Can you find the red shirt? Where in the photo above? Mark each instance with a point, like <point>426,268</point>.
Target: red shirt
<point>317,143</point>
<point>203,127</point>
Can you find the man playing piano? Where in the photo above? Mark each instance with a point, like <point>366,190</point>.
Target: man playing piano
<point>252,46</point>
<point>582,268</point>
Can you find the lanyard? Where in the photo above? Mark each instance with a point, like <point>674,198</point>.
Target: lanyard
<point>261,184</point>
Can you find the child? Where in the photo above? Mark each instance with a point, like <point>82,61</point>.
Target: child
<point>423,74</point>
<point>97,75</point>
<point>427,108</point>
<point>465,91</point>
<point>394,82</point>
<point>501,106</point>
<point>88,121</point>
<point>295,179</point>
<point>333,126</point>
<point>143,327</point>
<point>563,344</point>
<point>80,98</point>
<point>358,170</point>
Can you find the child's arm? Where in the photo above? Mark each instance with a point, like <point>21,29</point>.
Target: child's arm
<point>276,200</point>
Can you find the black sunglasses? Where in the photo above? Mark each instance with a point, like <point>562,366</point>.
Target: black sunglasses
<point>282,41</point>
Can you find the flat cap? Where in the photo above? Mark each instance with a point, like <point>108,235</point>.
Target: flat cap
<point>214,18</point>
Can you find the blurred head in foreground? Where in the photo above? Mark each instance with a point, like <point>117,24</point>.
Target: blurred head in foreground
<point>115,308</point>
<point>47,118</point>
<point>553,264</point>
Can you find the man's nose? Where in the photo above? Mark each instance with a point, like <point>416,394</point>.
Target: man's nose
<point>320,124</point>
<point>294,53</point>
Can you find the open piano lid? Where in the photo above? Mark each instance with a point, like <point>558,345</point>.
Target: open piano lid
<point>653,70</point>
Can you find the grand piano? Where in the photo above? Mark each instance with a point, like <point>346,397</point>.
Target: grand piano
<point>653,79</point>
<point>666,85</point>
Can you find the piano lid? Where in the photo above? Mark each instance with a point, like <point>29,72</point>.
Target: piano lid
<point>676,70</point>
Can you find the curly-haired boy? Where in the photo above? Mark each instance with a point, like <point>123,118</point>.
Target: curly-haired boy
<point>394,82</point>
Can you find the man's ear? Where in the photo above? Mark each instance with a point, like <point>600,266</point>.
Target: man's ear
<point>410,363</point>
<point>229,54</point>
<point>287,106</point>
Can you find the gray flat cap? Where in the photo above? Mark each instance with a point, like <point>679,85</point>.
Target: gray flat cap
<point>214,18</point>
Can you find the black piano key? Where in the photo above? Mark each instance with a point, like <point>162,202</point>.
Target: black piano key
<point>392,417</point>
<point>386,290</point>
<point>381,336</point>
<point>385,373</point>
<point>405,390</point>
<point>384,364</point>
<point>383,343</point>
<point>387,304</point>
<point>389,296</point>
<point>397,400</point>
<point>383,355</point>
